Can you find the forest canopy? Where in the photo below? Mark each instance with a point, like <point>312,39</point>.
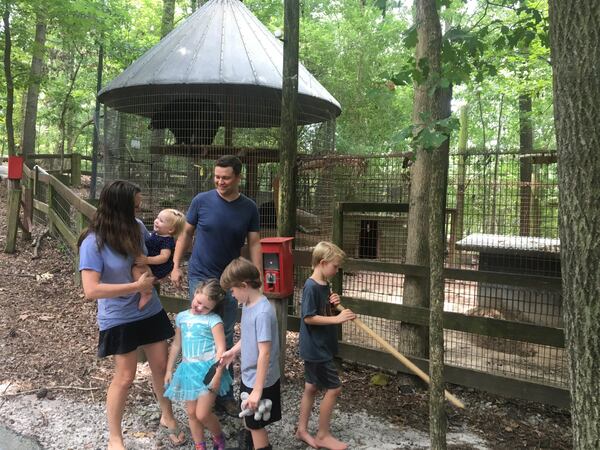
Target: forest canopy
<point>362,51</point>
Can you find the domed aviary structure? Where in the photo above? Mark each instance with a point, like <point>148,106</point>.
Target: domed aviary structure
<point>210,87</point>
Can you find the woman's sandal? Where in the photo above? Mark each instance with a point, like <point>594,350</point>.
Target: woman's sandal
<point>175,434</point>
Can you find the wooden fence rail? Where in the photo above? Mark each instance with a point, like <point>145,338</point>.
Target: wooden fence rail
<point>525,332</point>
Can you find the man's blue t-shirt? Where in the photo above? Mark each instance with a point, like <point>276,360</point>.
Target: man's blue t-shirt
<point>318,343</point>
<point>221,230</point>
<point>115,268</point>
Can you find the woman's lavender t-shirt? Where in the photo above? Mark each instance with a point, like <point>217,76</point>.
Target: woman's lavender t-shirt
<point>115,268</point>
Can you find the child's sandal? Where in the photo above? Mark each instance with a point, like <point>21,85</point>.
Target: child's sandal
<point>219,442</point>
<point>200,445</point>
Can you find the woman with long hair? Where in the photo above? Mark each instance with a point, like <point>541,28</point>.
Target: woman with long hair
<point>107,250</point>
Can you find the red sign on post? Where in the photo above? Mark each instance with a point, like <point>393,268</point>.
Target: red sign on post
<point>15,167</point>
<point>278,266</point>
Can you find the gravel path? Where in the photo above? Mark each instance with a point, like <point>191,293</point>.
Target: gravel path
<point>64,423</point>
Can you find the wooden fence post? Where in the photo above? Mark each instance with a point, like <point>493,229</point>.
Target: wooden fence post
<point>337,237</point>
<point>75,169</point>
<point>14,204</point>
<point>80,224</point>
<point>27,203</point>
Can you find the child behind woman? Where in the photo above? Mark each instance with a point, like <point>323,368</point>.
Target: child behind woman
<point>259,346</point>
<point>160,244</point>
<point>201,337</point>
<point>318,345</point>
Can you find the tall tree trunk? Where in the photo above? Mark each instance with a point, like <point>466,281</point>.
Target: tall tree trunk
<point>62,122</point>
<point>525,168</point>
<point>96,135</point>
<point>33,91</point>
<point>437,247</point>
<point>496,159</point>
<point>286,214</point>
<point>575,46</point>
<point>461,175</point>
<point>168,17</point>
<point>416,290</point>
<point>10,91</point>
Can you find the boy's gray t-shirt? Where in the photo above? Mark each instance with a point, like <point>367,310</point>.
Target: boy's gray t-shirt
<point>259,324</point>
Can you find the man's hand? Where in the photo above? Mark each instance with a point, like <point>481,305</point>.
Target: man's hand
<point>176,276</point>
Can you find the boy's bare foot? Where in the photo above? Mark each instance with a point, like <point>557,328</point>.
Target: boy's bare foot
<point>304,436</point>
<point>144,299</point>
<point>115,444</point>
<point>329,442</point>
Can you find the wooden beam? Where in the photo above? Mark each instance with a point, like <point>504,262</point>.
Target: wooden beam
<point>483,326</point>
<point>495,384</point>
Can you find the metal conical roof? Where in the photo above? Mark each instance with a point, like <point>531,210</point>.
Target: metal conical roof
<point>222,52</point>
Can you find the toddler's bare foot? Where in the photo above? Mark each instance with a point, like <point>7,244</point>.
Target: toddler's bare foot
<point>144,299</point>
<point>329,442</point>
<point>304,436</point>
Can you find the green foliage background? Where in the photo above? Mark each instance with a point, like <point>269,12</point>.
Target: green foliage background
<point>360,50</point>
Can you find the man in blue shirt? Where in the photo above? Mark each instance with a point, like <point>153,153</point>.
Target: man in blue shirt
<point>218,223</point>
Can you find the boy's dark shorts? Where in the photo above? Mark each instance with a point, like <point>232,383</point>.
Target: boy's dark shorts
<point>272,393</point>
<point>322,374</point>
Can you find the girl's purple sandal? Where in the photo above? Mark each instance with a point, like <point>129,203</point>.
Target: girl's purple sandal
<point>219,442</point>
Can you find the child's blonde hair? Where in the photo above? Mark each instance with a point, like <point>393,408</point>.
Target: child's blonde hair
<point>177,220</point>
<point>239,271</point>
<point>326,251</point>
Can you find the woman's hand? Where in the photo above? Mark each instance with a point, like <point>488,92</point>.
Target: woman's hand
<point>145,282</point>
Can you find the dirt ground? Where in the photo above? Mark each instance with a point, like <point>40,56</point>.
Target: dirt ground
<point>48,344</point>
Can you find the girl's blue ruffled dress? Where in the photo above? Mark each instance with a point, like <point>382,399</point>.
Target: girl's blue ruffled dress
<point>198,355</point>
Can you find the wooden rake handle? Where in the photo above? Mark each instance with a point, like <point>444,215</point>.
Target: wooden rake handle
<point>403,359</point>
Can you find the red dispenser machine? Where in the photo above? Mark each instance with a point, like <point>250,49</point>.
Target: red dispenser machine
<point>278,266</point>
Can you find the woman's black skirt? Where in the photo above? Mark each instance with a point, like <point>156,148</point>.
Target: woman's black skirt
<point>129,336</point>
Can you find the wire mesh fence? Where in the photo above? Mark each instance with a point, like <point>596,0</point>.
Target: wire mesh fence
<point>497,245</point>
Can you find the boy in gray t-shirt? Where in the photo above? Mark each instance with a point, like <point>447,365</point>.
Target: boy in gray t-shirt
<point>259,347</point>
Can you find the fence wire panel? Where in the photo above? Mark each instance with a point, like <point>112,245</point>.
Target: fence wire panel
<point>323,181</point>
<point>40,193</point>
<point>507,222</point>
<point>168,145</point>
<point>499,356</point>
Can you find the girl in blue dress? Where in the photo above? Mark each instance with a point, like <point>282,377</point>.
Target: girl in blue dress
<point>199,379</point>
